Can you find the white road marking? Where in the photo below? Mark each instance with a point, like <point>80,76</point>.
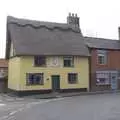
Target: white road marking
<point>56,99</point>
<point>2,104</point>
<point>11,118</point>
<point>29,105</point>
<point>19,99</point>
<point>21,109</point>
<point>13,112</point>
<point>4,117</point>
<point>9,99</point>
<point>42,102</point>
<point>58,96</point>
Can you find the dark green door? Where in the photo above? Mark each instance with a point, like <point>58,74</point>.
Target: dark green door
<point>55,82</point>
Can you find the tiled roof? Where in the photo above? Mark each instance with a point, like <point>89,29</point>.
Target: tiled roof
<point>102,43</point>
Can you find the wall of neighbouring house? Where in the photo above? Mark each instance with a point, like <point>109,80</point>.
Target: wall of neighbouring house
<point>25,65</point>
<point>3,75</point>
<point>3,79</point>
<point>3,85</point>
<point>112,60</point>
<point>113,63</point>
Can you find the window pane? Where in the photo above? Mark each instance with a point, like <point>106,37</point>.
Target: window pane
<point>101,59</point>
<point>102,78</point>
<point>68,61</point>
<point>72,78</point>
<point>102,56</point>
<point>34,78</point>
<point>39,60</point>
<point>37,79</point>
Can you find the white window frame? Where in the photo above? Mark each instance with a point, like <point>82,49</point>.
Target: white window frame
<point>70,58</point>
<point>37,61</point>
<point>103,75</point>
<point>28,81</point>
<point>73,81</point>
<point>103,55</point>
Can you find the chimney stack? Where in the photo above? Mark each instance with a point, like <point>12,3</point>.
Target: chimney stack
<point>73,19</point>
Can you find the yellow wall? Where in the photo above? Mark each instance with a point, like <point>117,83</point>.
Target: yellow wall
<point>11,49</point>
<point>14,73</point>
<point>27,66</point>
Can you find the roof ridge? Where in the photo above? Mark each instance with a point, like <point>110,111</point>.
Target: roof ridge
<point>101,38</point>
<point>41,24</point>
<point>30,20</point>
<point>49,28</point>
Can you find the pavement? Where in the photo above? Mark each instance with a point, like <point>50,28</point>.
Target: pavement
<point>13,98</point>
<point>64,94</point>
<point>7,98</point>
<point>87,107</point>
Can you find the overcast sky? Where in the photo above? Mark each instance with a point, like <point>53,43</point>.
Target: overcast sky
<point>98,18</point>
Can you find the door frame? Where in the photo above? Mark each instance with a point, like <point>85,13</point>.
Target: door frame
<point>55,88</point>
<point>114,82</point>
<point>115,85</point>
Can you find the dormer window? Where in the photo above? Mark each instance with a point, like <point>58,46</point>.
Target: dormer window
<point>40,61</point>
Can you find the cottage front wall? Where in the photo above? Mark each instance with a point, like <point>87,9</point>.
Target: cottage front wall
<point>14,73</point>
<point>25,65</point>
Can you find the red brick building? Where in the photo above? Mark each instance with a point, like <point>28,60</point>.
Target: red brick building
<point>104,63</point>
<point>3,74</point>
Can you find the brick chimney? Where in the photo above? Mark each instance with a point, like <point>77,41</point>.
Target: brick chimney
<point>73,19</point>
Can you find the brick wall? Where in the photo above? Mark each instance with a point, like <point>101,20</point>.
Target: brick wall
<point>113,63</point>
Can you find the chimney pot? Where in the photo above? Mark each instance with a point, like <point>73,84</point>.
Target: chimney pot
<point>73,19</point>
<point>69,14</point>
<point>72,14</point>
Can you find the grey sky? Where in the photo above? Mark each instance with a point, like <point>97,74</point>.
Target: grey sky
<point>99,18</point>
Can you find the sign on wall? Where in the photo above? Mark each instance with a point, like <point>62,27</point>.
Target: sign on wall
<point>54,62</point>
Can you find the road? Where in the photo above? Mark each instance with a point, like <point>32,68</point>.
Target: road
<point>9,106</point>
<point>91,107</point>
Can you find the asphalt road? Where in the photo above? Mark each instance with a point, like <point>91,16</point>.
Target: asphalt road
<point>9,107</point>
<point>91,107</point>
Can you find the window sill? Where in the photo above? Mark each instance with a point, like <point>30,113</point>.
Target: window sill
<point>39,66</point>
<point>34,84</point>
<point>101,64</point>
<point>102,84</point>
<point>68,66</point>
<point>73,83</point>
